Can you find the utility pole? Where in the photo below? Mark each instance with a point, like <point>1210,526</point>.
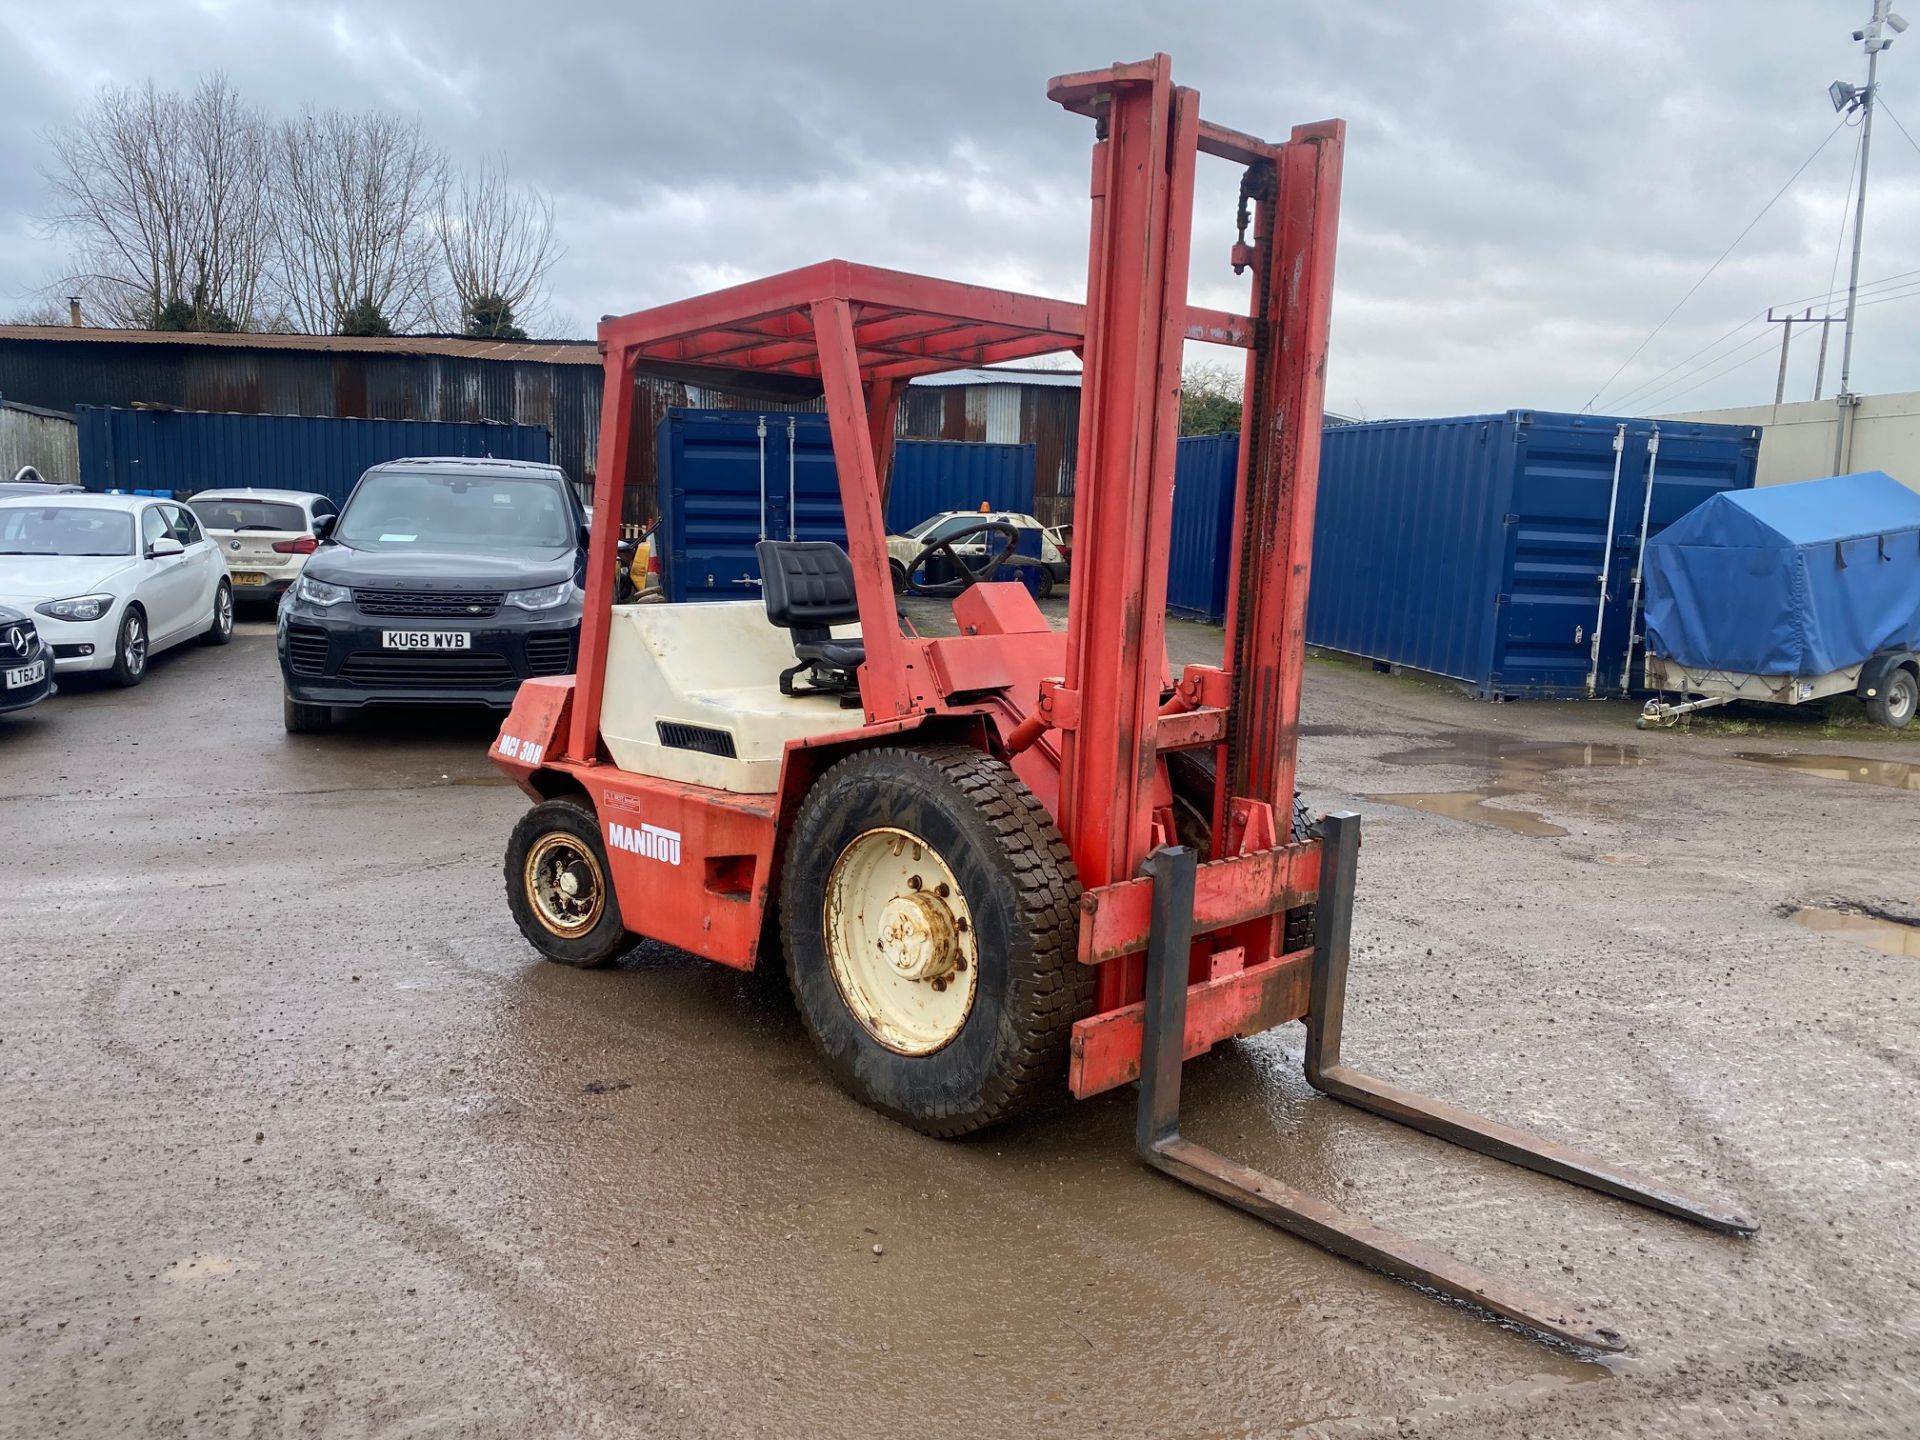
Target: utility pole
<point>1787,322</point>
<point>1786,338</point>
<point>1845,97</point>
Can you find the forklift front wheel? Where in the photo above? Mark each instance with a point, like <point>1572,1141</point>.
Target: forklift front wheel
<point>931,923</point>
<point>558,885</point>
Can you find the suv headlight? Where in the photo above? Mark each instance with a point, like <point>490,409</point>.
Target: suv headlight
<point>547,597</point>
<point>319,592</point>
<point>79,607</point>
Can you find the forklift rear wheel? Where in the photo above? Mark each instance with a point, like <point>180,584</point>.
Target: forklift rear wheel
<point>931,915</point>
<point>1191,774</point>
<point>1899,696</point>
<point>559,886</point>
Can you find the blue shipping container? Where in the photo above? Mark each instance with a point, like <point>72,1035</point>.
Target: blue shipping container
<point>1473,547</point>
<point>1203,489</point>
<point>727,478</point>
<point>189,450</point>
<point>930,476</point>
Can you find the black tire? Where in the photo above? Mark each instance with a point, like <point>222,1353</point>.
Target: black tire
<point>219,630</point>
<point>1899,697</point>
<point>898,573</point>
<point>130,649</point>
<point>1191,774</point>
<point>560,828</point>
<point>300,718</point>
<point>1043,583</point>
<point>1021,888</point>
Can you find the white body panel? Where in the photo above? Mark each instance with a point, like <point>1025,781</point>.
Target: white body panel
<point>716,666</point>
<point>175,592</point>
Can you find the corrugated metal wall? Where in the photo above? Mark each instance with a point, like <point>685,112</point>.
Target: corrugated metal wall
<point>45,441</point>
<point>1203,491</point>
<point>934,475</point>
<point>1044,416</point>
<point>185,450</point>
<point>61,374</point>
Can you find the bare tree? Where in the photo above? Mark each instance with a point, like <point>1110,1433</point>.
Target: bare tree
<point>164,198</point>
<point>496,240</point>
<point>356,244</point>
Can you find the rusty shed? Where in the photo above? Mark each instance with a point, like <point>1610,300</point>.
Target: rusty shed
<point>555,383</point>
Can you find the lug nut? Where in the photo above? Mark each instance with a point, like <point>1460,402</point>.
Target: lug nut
<point>942,890</point>
<point>913,882</point>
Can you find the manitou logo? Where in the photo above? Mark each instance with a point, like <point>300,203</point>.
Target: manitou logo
<point>648,840</point>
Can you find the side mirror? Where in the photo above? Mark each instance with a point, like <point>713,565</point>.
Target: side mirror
<point>584,536</point>
<point>166,545</point>
<point>323,526</point>
<point>626,550</point>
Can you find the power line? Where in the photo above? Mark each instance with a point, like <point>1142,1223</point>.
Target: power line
<point>1661,399</point>
<point>1716,264</point>
<point>1653,383</point>
<point>1897,125</point>
<point>1667,397</point>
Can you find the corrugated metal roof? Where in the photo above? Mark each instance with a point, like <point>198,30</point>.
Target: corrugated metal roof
<point>993,375</point>
<point>550,352</point>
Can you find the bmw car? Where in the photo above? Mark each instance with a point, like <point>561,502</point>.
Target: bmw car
<point>265,535</point>
<point>112,580</point>
<point>26,669</point>
<point>442,581</point>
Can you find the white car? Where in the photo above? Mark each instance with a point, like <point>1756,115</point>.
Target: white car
<point>1032,540</point>
<point>112,579</point>
<point>265,536</point>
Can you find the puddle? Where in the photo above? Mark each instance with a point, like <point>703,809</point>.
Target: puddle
<point>1508,756</point>
<point>1889,937</point>
<point>1471,806</point>
<point>1895,774</point>
<point>1514,763</point>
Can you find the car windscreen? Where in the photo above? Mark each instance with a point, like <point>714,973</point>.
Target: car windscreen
<point>64,530</point>
<point>249,515</point>
<point>456,512</point>
<point>919,531</point>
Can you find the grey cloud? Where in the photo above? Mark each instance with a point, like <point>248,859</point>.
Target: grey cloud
<point>1529,186</point>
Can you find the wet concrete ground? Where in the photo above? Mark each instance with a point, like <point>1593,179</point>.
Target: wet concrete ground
<point>297,1137</point>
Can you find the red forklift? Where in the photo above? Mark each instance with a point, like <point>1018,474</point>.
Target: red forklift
<point>1012,857</point>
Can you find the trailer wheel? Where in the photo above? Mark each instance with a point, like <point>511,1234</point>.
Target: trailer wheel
<point>1899,697</point>
<point>1191,774</point>
<point>559,886</point>
<point>931,925</point>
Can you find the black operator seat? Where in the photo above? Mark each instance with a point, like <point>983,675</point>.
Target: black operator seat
<point>808,587</point>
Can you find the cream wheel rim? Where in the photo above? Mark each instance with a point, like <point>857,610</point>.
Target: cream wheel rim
<point>565,884</point>
<point>900,941</point>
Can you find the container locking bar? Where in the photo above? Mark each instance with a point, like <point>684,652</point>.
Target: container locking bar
<point>1159,1142</point>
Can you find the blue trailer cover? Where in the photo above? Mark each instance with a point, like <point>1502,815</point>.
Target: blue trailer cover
<point>1789,580</point>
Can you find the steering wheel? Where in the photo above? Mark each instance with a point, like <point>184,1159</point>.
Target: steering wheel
<point>967,576</point>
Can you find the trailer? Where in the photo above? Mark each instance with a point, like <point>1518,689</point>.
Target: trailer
<point>1012,861</point>
<point>1788,595</point>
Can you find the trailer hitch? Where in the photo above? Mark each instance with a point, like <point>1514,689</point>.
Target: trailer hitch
<point>1159,1142</point>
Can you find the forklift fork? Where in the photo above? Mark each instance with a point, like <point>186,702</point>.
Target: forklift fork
<point>1160,1144</point>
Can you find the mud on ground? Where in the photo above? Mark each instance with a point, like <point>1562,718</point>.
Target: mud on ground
<point>297,1137</point>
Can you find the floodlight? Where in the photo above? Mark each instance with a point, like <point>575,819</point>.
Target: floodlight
<point>1841,93</point>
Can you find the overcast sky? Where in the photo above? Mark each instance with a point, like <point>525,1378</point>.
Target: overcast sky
<point>1529,186</point>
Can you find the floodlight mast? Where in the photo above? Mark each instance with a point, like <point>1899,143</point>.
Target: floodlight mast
<point>1875,38</point>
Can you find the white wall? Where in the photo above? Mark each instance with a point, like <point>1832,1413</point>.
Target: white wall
<point>1796,440</point>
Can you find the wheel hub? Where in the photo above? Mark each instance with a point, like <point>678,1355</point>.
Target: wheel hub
<point>918,936</point>
<point>900,941</point>
<point>564,884</point>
